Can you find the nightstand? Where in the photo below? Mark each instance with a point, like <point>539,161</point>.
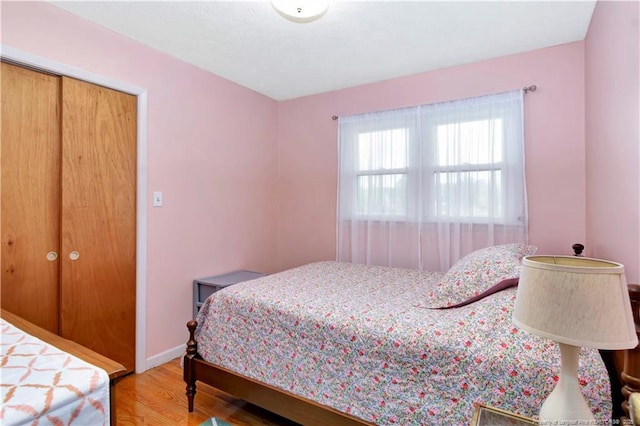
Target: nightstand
<point>490,416</point>
<point>205,287</point>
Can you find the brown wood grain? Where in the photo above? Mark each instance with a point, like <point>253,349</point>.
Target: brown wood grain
<point>98,290</point>
<point>30,194</point>
<point>156,397</point>
<point>69,184</point>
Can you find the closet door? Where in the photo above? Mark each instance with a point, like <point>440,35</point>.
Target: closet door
<point>98,225</point>
<point>30,194</point>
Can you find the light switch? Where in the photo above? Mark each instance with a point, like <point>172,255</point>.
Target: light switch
<point>157,199</point>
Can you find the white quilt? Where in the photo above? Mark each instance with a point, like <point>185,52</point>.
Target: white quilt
<point>42,385</point>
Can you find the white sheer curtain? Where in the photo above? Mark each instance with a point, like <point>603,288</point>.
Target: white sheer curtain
<point>421,187</point>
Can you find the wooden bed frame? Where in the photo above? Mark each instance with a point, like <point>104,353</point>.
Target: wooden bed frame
<point>623,368</point>
<point>114,369</point>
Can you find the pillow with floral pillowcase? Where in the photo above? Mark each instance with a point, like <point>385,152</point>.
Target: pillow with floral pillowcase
<point>478,275</point>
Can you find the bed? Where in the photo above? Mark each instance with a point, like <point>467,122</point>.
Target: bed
<point>46,377</point>
<point>338,343</point>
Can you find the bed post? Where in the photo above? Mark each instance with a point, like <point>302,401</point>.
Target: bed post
<point>614,361</point>
<point>631,370</point>
<point>189,357</point>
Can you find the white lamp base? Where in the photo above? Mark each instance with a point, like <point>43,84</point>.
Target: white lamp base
<point>566,402</point>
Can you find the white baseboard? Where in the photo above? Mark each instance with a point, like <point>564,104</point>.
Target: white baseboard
<point>165,357</point>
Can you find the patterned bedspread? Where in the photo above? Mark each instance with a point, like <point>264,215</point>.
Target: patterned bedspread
<point>42,385</point>
<point>352,337</point>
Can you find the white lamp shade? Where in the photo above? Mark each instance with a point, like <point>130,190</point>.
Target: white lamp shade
<point>575,300</point>
<point>301,10</point>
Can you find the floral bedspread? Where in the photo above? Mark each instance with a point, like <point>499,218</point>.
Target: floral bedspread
<point>352,337</point>
<point>42,385</point>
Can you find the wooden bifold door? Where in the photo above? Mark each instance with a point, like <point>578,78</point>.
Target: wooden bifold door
<point>68,195</point>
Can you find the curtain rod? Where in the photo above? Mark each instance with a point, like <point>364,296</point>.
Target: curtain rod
<point>526,90</point>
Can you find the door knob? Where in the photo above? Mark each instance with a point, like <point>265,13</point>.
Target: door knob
<point>51,256</point>
<point>74,255</point>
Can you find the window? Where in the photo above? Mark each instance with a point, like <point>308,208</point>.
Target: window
<point>451,161</point>
<point>467,170</point>
<point>381,177</point>
<point>431,183</point>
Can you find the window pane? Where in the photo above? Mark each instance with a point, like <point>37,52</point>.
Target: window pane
<point>469,142</point>
<point>385,149</point>
<point>382,194</point>
<point>469,194</point>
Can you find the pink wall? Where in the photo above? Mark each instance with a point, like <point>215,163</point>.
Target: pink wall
<point>554,138</point>
<point>236,194</point>
<point>216,171</point>
<point>613,140</point>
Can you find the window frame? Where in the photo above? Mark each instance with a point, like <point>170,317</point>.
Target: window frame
<point>376,127</point>
<point>431,170</point>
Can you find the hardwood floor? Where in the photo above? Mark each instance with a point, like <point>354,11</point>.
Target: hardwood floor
<point>157,397</point>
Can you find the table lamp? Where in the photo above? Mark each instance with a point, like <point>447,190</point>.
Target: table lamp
<point>575,301</point>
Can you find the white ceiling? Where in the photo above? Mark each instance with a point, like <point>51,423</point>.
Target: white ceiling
<point>354,43</point>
